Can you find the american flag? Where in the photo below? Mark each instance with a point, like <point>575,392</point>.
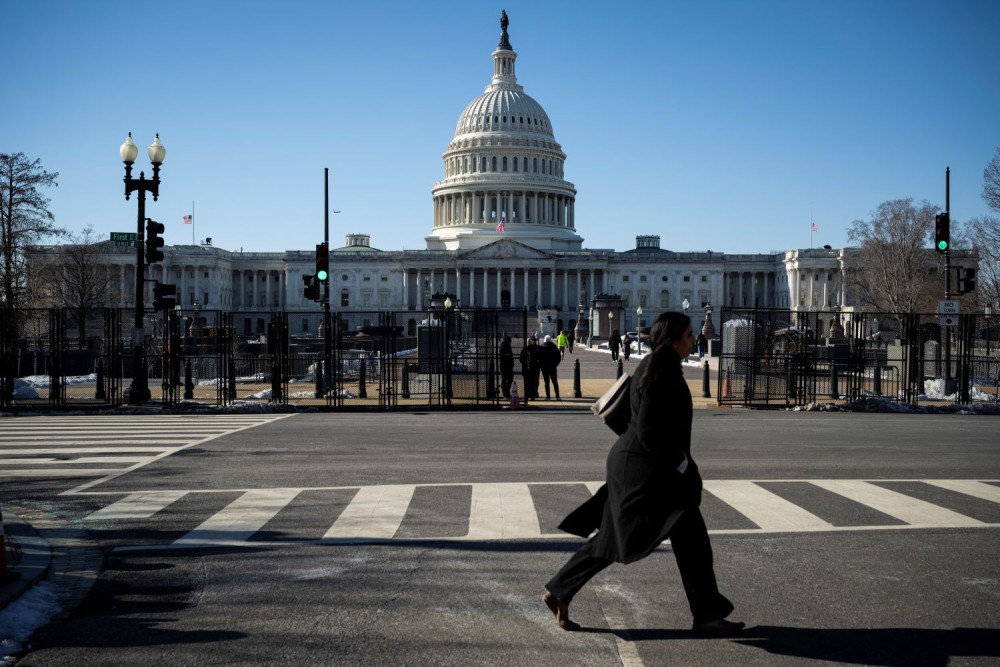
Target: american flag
<point>188,220</point>
<point>815,227</point>
<point>502,225</point>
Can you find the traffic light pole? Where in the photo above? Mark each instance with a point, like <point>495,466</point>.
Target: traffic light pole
<point>949,383</point>
<point>327,324</point>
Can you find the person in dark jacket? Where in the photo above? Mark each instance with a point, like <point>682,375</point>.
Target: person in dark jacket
<point>614,344</point>
<point>506,366</point>
<point>652,492</point>
<point>551,356</point>
<point>531,364</point>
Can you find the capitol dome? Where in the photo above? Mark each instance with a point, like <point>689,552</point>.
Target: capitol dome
<point>503,171</point>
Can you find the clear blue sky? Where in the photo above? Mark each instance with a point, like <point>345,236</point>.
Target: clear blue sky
<point>717,125</point>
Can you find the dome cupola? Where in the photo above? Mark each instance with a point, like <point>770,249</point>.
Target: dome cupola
<point>503,171</point>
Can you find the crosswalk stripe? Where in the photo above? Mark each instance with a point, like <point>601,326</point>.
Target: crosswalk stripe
<point>375,512</point>
<point>913,511</point>
<point>79,450</point>
<point>502,511</point>
<point>57,472</point>
<point>768,510</point>
<point>241,518</point>
<point>45,460</point>
<point>137,505</point>
<point>970,488</point>
<point>593,487</point>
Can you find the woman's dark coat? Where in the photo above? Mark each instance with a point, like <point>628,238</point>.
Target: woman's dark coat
<point>644,492</point>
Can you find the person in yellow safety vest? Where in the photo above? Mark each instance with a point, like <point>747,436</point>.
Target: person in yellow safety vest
<point>561,342</point>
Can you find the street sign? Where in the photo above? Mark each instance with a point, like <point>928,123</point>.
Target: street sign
<point>948,312</point>
<point>126,239</point>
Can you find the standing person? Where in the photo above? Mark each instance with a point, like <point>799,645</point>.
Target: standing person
<point>531,364</point>
<point>506,366</point>
<point>652,492</point>
<point>550,361</point>
<point>572,339</point>
<point>614,344</point>
<point>702,345</point>
<point>561,343</point>
<point>626,346</point>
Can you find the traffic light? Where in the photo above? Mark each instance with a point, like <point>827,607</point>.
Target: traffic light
<point>942,232</point>
<point>154,244</point>
<point>323,263</point>
<point>967,281</point>
<point>164,296</point>
<point>311,291</point>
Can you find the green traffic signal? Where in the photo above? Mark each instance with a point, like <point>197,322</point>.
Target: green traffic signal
<point>942,245</point>
<point>322,275</point>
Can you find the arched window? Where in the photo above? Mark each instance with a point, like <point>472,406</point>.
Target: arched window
<point>505,164</point>
<point>664,298</point>
<point>494,164</point>
<point>345,299</point>
<point>525,163</point>
<point>534,163</point>
<point>483,168</point>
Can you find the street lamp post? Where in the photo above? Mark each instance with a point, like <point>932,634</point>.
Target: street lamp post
<point>638,331</point>
<point>685,305</point>
<point>139,389</point>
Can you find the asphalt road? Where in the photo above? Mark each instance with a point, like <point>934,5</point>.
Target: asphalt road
<point>425,539</point>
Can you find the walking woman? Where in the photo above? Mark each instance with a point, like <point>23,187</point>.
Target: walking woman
<point>652,492</point>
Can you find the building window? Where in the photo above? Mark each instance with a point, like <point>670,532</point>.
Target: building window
<point>704,279</point>
<point>534,163</point>
<point>345,299</point>
<point>494,168</point>
<point>505,164</point>
<point>664,299</point>
<point>483,168</point>
<point>525,163</point>
<point>624,279</point>
<point>305,325</point>
<point>665,278</point>
<point>687,279</point>
<point>515,164</point>
<point>642,278</point>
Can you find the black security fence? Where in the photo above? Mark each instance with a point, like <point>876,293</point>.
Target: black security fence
<point>341,360</point>
<point>780,358</point>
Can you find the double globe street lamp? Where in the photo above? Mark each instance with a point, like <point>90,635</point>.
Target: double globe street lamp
<point>139,389</point>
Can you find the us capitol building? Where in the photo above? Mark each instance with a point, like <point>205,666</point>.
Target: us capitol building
<point>503,235</point>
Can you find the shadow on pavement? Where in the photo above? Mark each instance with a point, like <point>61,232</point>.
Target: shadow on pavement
<point>887,647</point>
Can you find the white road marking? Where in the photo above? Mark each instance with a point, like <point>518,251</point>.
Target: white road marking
<point>769,511</point>
<point>137,505</point>
<point>913,511</point>
<point>970,488</point>
<point>502,511</point>
<point>374,512</point>
<point>240,519</point>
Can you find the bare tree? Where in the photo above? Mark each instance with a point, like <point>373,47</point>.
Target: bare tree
<point>24,218</point>
<point>984,234</point>
<point>896,271</point>
<point>75,276</point>
<point>991,182</point>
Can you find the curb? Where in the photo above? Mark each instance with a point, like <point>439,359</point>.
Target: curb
<point>36,559</point>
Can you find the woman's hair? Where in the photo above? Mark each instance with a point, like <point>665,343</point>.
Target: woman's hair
<point>666,330</point>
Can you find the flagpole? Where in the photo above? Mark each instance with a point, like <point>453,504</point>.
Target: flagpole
<point>811,227</point>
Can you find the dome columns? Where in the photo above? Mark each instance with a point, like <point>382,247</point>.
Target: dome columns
<point>514,206</point>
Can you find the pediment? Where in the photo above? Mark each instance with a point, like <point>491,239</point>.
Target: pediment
<point>505,249</point>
